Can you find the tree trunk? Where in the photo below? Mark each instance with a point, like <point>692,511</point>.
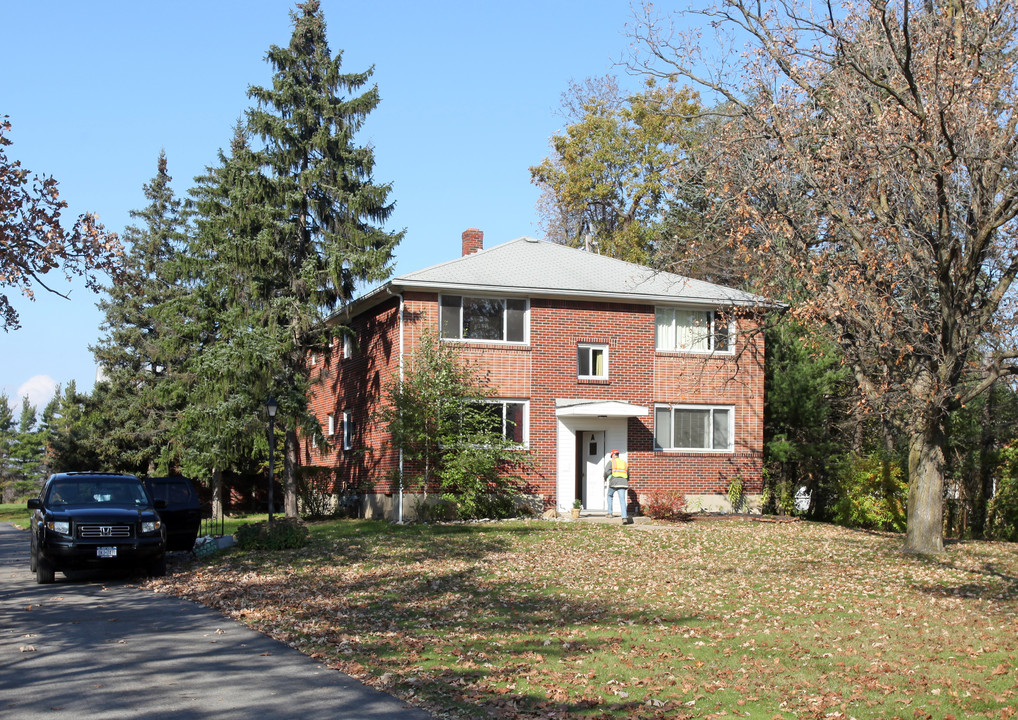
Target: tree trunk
<point>217,493</point>
<point>290,456</point>
<point>984,488</point>
<point>925,531</point>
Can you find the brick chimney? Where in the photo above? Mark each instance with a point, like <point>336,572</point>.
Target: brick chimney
<point>473,240</point>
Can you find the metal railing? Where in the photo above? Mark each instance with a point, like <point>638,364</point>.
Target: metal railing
<point>211,525</point>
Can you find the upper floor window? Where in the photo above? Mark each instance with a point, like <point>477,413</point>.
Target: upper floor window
<point>592,362</point>
<point>692,330</point>
<point>692,427</point>
<point>347,347</point>
<point>332,424</point>
<point>483,318</point>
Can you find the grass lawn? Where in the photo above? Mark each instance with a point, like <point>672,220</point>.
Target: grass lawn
<point>19,514</point>
<point>16,513</point>
<point>538,619</point>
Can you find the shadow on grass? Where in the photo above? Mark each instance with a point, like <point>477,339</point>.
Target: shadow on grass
<point>358,539</point>
<point>1005,589</point>
<point>484,640</point>
<point>467,640</point>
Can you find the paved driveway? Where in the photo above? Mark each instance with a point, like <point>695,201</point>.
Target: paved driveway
<point>100,648</point>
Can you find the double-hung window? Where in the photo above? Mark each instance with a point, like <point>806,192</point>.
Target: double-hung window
<point>687,330</point>
<point>592,362</point>
<point>483,318</point>
<point>693,427</point>
<point>507,418</point>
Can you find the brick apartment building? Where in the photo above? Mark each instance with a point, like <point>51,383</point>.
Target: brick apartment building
<point>586,353</point>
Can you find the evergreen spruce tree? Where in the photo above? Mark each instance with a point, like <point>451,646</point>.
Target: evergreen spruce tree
<point>6,441</point>
<point>72,431</point>
<point>229,356</point>
<point>140,319</point>
<point>25,469</point>
<point>329,235</point>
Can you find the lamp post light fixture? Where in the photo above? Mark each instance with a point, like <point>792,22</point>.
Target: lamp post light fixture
<point>271,406</point>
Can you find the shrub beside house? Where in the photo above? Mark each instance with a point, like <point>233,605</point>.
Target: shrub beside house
<point>585,353</point>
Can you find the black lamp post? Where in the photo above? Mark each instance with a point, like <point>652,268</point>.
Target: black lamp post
<point>271,405</point>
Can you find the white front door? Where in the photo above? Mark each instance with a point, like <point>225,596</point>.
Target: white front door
<point>579,470</point>
<point>592,451</point>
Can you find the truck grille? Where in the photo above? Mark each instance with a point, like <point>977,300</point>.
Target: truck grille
<point>105,531</point>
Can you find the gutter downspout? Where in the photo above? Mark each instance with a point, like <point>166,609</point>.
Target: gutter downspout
<point>399,515</point>
<point>399,501</point>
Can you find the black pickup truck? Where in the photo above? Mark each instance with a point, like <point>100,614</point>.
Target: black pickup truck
<point>91,520</point>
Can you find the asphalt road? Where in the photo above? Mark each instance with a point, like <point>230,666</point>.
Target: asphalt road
<point>100,648</point>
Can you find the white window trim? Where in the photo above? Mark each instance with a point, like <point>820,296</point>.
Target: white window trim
<point>347,430</point>
<point>691,351</point>
<point>503,298</point>
<point>526,414</point>
<point>347,347</point>
<point>588,347</point>
<point>672,407</point>
<point>332,424</point>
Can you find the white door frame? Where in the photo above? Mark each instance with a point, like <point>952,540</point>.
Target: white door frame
<point>577,416</point>
<point>569,430</point>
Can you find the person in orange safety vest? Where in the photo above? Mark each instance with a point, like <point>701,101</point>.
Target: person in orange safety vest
<point>616,473</point>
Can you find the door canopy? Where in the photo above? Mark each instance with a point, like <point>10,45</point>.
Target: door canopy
<point>598,408</point>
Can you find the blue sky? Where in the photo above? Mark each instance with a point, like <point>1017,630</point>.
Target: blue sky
<point>470,94</point>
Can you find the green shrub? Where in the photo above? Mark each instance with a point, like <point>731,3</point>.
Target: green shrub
<point>668,506</point>
<point>871,493</point>
<point>736,495</point>
<point>479,478</point>
<point>1002,512</point>
<point>281,534</point>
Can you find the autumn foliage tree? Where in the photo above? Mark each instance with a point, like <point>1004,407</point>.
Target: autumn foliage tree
<point>867,162</point>
<point>34,241</point>
<point>607,180</point>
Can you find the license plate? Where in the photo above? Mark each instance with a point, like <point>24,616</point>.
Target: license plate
<point>106,552</point>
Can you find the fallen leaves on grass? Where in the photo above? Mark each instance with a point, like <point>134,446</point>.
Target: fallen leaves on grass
<point>534,620</point>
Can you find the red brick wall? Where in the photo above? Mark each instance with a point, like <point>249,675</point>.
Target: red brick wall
<point>545,370</point>
<point>357,385</point>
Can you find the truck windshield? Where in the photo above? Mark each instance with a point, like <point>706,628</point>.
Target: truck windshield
<point>97,492</point>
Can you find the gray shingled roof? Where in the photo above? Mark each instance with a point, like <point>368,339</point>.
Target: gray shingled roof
<point>541,268</point>
<point>538,268</point>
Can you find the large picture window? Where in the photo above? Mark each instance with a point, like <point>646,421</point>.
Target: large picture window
<point>692,427</point>
<point>483,318</point>
<point>505,417</point>
<point>692,330</point>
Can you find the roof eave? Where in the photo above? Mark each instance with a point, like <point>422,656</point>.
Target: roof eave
<point>397,286</point>
<point>629,297</point>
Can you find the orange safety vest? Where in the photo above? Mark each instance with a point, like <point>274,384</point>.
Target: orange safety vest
<point>620,468</point>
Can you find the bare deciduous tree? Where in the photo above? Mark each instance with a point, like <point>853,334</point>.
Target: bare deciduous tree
<point>34,242</point>
<point>606,181</point>
<point>868,162</point>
